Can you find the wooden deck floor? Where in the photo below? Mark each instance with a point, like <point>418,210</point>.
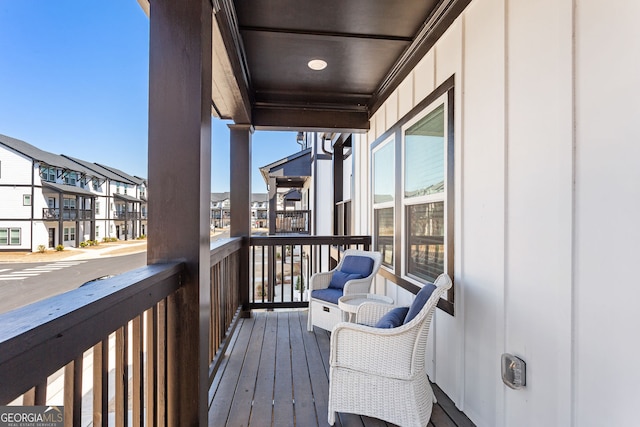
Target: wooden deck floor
<point>275,373</point>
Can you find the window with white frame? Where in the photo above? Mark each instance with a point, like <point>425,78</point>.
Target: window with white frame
<point>97,231</point>
<point>383,200</point>
<point>97,207</point>
<point>426,181</point>
<point>26,199</point>
<point>66,234</point>
<point>72,233</point>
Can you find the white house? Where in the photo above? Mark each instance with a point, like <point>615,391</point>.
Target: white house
<point>50,200</point>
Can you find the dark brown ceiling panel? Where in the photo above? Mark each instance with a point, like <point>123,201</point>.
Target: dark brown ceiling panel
<point>394,18</point>
<point>369,47</point>
<point>278,61</point>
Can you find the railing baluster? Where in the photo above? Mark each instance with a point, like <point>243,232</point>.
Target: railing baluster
<point>37,396</point>
<point>122,373</point>
<point>73,393</point>
<point>162,363</point>
<point>138,366</point>
<point>293,251</point>
<point>101,383</point>
<point>152,366</point>
<point>263,263</point>
<point>252,280</point>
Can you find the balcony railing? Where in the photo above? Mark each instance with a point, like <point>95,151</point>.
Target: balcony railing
<point>85,214</point>
<point>49,345</point>
<point>292,222</point>
<point>68,214</point>
<point>124,215</point>
<point>50,213</point>
<point>281,266</point>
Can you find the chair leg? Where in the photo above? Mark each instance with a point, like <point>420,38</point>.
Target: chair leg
<point>332,418</point>
<point>309,321</point>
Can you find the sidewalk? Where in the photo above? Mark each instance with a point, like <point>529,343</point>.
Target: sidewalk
<point>122,247</point>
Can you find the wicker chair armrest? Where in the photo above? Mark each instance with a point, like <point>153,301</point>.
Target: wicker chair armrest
<point>320,280</point>
<point>357,286</point>
<point>384,352</point>
<point>369,313</point>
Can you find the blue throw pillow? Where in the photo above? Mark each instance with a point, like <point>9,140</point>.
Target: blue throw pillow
<point>420,301</point>
<point>393,318</point>
<point>339,278</point>
<point>362,265</point>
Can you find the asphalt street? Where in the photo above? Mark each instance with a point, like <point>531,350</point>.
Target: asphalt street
<point>25,283</point>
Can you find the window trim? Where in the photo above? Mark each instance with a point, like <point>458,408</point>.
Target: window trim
<point>405,202</point>
<point>389,141</point>
<point>26,200</point>
<point>447,89</point>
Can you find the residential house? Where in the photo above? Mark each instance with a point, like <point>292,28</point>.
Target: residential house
<point>259,210</point>
<point>220,210</point>
<point>494,140</point>
<point>51,199</point>
<point>288,182</point>
<point>46,198</point>
<point>121,210</point>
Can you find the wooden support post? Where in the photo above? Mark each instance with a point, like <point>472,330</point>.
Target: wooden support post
<point>180,82</point>
<point>338,182</point>
<point>240,158</point>
<point>273,205</point>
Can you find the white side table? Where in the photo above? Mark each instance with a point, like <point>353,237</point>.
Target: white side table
<point>349,303</point>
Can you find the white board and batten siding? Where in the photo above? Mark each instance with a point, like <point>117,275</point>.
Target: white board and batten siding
<point>547,158</point>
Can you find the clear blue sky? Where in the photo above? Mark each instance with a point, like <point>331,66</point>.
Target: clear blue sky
<point>74,80</point>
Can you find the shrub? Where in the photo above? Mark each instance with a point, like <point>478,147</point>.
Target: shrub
<point>105,239</point>
<point>42,249</point>
<point>59,248</point>
<point>262,292</point>
<point>84,244</point>
<point>93,242</point>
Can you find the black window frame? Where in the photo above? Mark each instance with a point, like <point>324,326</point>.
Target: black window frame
<point>397,274</point>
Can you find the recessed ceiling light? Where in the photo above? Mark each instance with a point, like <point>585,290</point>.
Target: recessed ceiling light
<point>317,64</point>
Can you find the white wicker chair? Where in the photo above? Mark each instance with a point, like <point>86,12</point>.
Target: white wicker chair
<point>381,372</point>
<point>326,315</point>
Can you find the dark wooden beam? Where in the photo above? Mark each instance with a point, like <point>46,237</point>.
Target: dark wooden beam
<point>180,82</point>
<point>320,35</point>
<point>240,158</point>
<point>227,23</point>
<point>311,120</point>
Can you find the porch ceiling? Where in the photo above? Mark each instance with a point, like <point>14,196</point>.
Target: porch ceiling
<point>262,48</point>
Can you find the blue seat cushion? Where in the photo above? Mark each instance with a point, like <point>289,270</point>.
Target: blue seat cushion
<point>420,301</point>
<point>356,264</point>
<point>329,294</point>
<point>339,278</point>
<point>393,318</point>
